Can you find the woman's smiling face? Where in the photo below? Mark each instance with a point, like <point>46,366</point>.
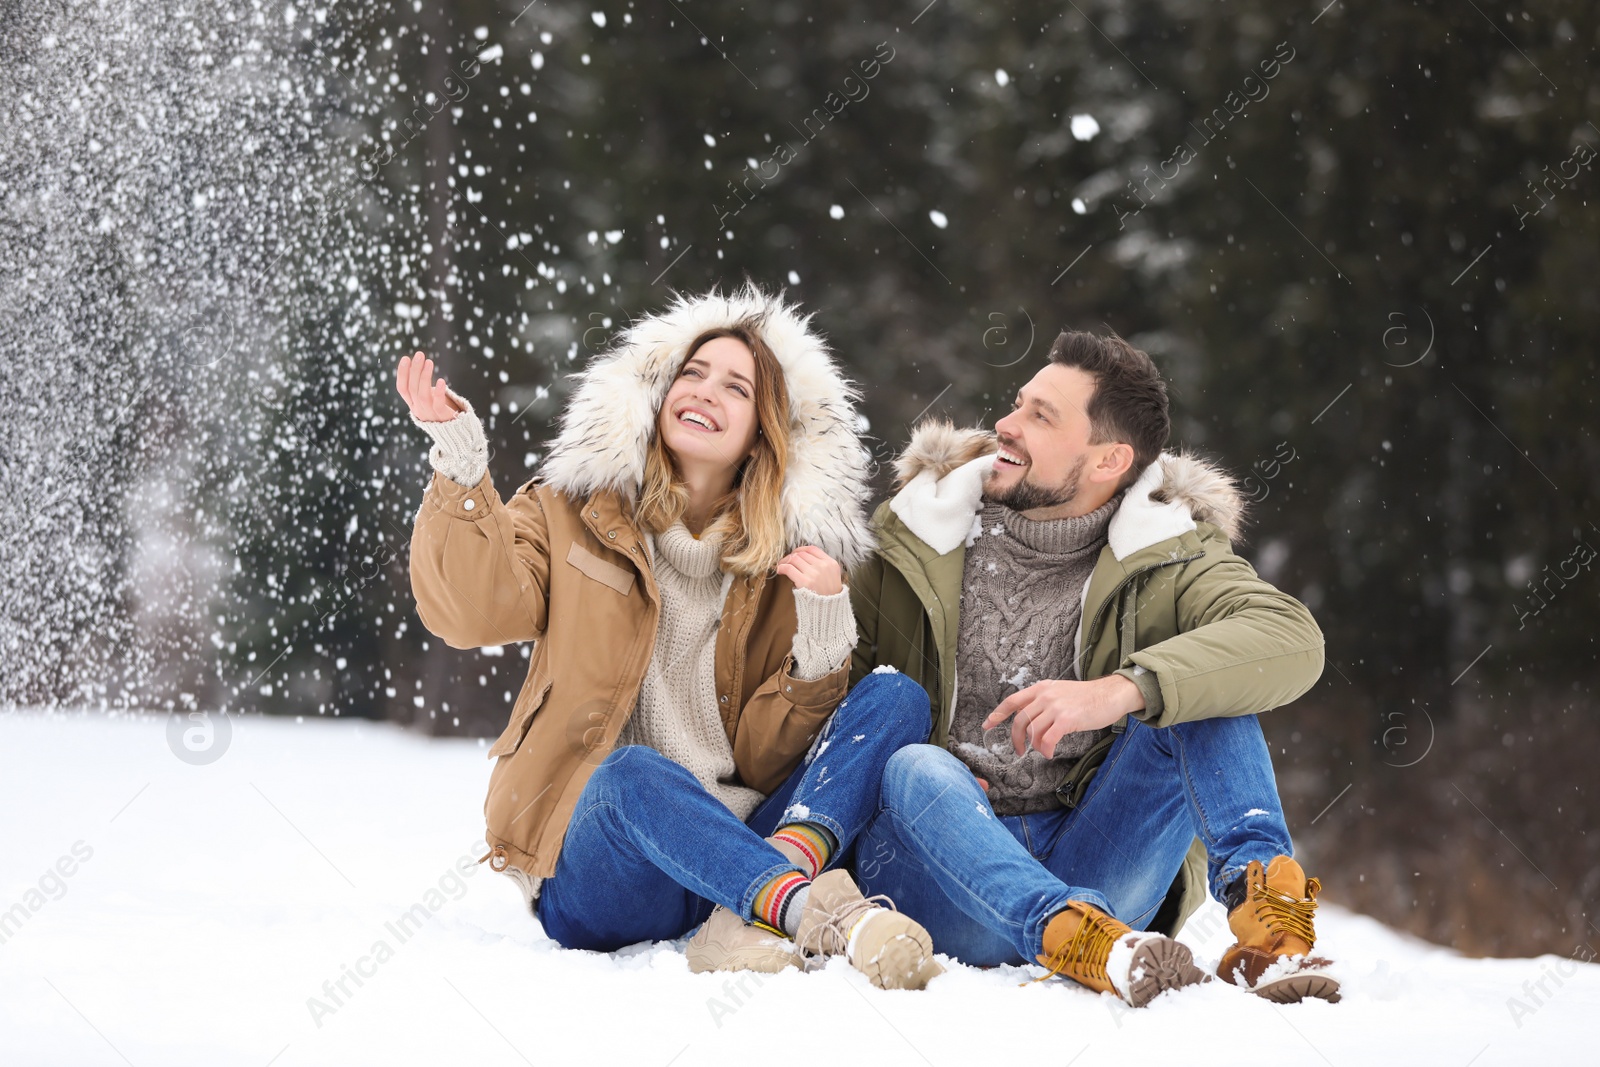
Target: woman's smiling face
<point>709,415</point>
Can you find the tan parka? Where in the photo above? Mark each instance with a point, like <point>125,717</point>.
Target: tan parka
<point>563,565</point>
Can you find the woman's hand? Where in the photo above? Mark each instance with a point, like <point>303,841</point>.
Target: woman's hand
<point>808,567</point>
<point>429,400</point>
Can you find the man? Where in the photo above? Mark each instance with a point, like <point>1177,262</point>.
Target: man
<point>1096,655</point>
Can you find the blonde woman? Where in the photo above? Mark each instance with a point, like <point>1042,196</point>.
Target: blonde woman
<point>676,757</point>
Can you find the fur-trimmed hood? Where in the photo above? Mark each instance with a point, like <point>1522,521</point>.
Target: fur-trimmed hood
<point>939,483</point>
<point>606,428</point>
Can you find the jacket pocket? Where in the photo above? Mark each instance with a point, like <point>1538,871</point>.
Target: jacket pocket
<point>609,574</point>
<point>1075,787</point>
<point>521,718</point>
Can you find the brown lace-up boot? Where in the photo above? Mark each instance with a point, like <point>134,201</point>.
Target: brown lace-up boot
<point>1274,930</point>
<point>1095,950</point>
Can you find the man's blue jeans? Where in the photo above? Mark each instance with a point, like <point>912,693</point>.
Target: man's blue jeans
<point>986,886</point>
<point>648,851</point>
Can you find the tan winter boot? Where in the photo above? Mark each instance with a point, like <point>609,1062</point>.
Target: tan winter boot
<point>1093,949</point>
<point>890,948</point>
<point>726,942</point>
<point>1272,956</point>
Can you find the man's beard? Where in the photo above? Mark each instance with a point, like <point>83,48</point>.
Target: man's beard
<point>1027,497</point>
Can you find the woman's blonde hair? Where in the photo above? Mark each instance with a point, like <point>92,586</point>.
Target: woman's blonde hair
<point>749,520</point>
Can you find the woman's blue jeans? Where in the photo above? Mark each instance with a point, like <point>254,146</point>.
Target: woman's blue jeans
<point>648,851</point>
<point>985,886</point>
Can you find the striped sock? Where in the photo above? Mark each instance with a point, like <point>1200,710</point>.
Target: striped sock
<point>781,901</point>
<point>816,843</point>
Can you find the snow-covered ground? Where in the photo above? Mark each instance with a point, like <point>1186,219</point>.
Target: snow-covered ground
<point>249,911</point>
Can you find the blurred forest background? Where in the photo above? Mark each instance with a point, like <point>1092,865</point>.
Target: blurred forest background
<point>1360,239</point>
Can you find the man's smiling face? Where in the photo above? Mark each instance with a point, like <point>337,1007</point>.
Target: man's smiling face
<point>1049,464</point>
<point>1044,442</point>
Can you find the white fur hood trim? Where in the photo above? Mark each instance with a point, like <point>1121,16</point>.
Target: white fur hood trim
<point>941,510</point>
<point>941,477</point>
<point>606,428</point>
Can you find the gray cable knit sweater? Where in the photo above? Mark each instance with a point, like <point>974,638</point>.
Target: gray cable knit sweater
<point>676,713</point>
<point>1021,597</point>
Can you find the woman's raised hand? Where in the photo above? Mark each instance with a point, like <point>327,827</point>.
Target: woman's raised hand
<point>429,400</point>
<point>808,567</point>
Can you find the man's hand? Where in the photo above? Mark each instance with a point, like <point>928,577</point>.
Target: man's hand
<point>1050,710</point>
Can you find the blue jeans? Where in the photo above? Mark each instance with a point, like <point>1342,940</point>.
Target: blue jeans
<point>985,886</point>
<point>648,851</point>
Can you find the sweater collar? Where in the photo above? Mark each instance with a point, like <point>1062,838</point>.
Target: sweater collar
<point>1058,537</point>
<point>690,556</point>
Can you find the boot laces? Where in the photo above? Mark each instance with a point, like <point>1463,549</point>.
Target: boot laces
<point>831,936</point>
<point>1087,949</point>
<point>1291,914</point>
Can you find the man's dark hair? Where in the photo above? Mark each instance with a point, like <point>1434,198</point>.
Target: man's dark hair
<point>1129,404</point>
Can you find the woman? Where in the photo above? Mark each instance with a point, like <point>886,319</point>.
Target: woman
<point>675,757</point>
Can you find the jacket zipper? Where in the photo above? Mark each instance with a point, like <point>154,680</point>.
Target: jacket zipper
<point>1116,592</point>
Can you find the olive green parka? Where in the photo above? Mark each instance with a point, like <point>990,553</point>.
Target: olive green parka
<point>1169,604</point>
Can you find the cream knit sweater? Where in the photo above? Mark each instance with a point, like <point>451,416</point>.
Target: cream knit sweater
<point>677,713</point>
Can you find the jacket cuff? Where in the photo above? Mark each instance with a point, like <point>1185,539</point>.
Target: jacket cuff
<point>825,634</point>
<point>1149,687</point>
<point>460,452</point>
<point>470,502</point>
